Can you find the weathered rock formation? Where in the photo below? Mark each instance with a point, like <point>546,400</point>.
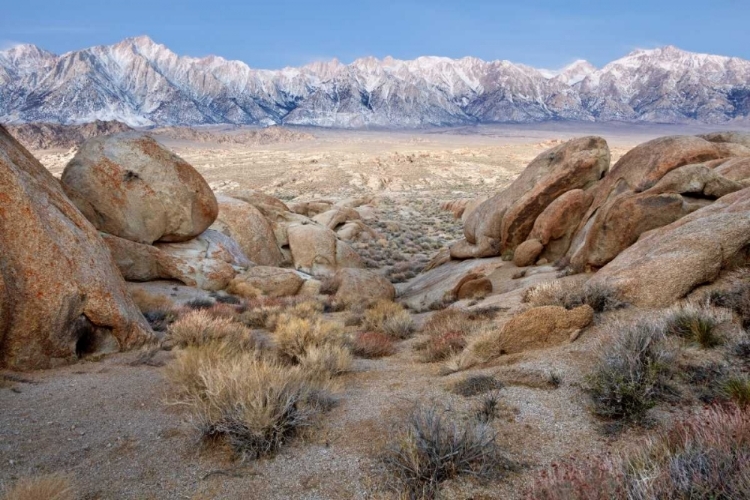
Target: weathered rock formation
<point>128,185</point>
<point>61,295</point>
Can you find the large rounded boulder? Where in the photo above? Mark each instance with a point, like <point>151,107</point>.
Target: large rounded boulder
<point>130,186</point>
<point>61,296</point>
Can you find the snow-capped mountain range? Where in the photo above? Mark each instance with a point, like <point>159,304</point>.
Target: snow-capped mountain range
<point>142,83</point>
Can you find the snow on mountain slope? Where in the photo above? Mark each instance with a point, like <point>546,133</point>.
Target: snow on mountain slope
<point>140,82</point>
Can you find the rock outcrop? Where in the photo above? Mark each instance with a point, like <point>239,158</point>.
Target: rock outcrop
<point>544,326</point>
<point>667,263</point>
<point>271,281</point>
<point>360,286</point>
<point>208,262</point>
<point>503,222</point>
<point>248,226</point>
<point>129,186</point>
<point>61,295</point>
<point>316,250</point>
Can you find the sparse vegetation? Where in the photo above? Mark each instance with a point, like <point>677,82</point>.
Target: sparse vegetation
<point>631,372</point>
<point>573,293</point>
<point>706,456</point>
<point>445,334</point>
<point>476,384</point>
<point>198,328</point>
<point>695,324</point>
<point>50,487</point>
<point>294,337</point>
<point>255,403</point>
<point>737,389</point>
<point>373,345</point>
<point>200,304</point>
<point>488,407</point>
<point>735,298</point>
<point>389,318</point>
<point>433,445</point>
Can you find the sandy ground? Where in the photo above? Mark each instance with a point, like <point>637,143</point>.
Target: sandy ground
<point>107,422</point>
<point>108,425</point>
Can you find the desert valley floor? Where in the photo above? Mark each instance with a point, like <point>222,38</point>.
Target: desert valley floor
<point>110,422</point>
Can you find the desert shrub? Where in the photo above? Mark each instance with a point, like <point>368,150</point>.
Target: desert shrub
<point>50,487</point>
<point>445,333</point>
<point>390,318</point>
<point>440,347</point>
<point>705,457</point>
<point>476,384</point>
<point>325,361</point>
<point>433,446</point>
<point>695,324</point>
<point>198,304</point>
<point>373,345</point>
<point>631,372</point>
<point>295,336</point>
<point>243,289</point>
<point>572,294</point>
<point>255,404</point>
<point>737,389</point>
<point>488,407</point>
<point>197,328</point>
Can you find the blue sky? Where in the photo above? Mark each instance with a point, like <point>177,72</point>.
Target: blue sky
<point>273,34</point>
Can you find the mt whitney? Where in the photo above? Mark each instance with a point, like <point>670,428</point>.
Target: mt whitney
<point>142,83</point>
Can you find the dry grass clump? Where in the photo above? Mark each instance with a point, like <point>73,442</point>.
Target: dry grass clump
<point>390,318</point>
<point>475,385</point>
<point>372,345</point>
<point>631,371</point>
<point>737,389</point>
<point>50,487</point>
<point>198,328</point>
<point>432,446</point>
<point>446,333</point>
<point>294,336</point>
<point>326,361</point>
<point>705,457</point>
<point>572,294</point>
<point>696,324</point>
<point>254,403</point>
<point>242,289</point>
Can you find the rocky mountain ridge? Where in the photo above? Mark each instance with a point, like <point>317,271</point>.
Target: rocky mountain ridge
<point>142,83</point>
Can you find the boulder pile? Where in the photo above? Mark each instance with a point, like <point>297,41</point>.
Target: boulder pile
<point>667,217</point>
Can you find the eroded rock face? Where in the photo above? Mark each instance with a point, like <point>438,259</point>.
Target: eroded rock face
<point>316,250</point>
<point>209,262</point>
<point>61,294</point>
<point>129,186</point>
<point>245,224</point>
<point>555,227</point>
<point>272,281</point>
<point>360,286</point>
<point>667,263</point>
<point>643,191</point>
<point>504,221</point>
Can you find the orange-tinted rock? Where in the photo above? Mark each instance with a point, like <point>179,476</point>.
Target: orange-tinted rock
<point>254,233</point>
<point>360,286</point>
<point>128,185</point>
<point>667,263</point>
<point>60,293</point>
<point>555,226</point>
<point>527,252</point>
<point>504,221</point>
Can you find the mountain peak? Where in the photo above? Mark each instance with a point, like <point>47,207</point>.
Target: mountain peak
<point>109,82</point>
